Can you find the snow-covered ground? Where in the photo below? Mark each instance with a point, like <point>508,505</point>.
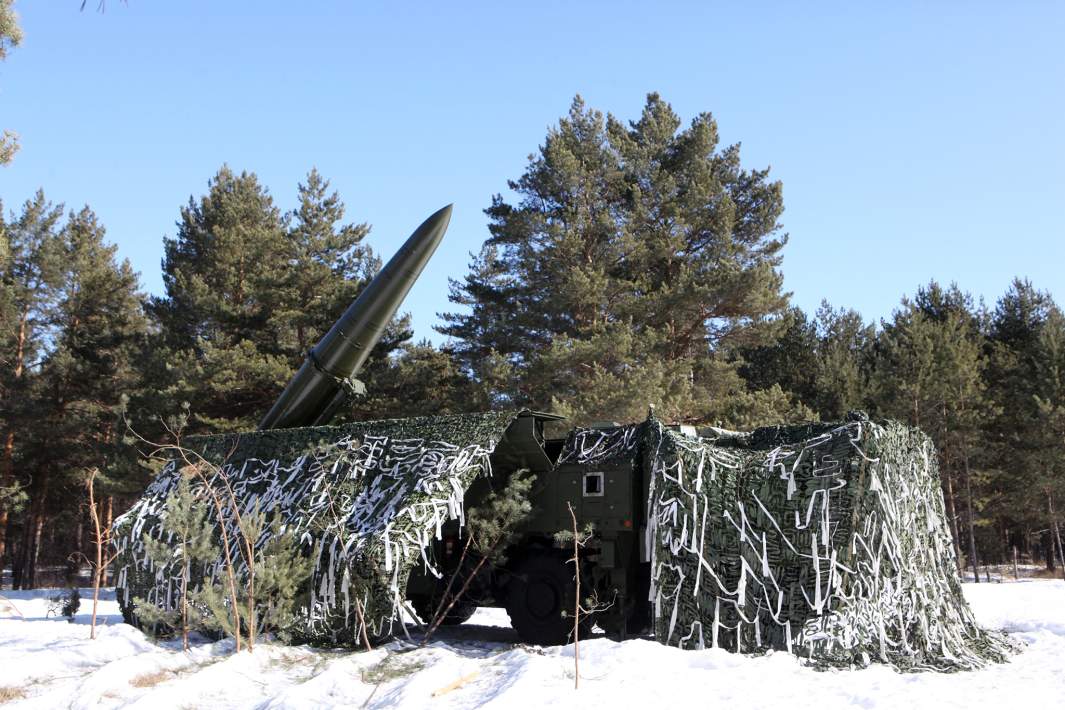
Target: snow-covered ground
<point>50,663</point>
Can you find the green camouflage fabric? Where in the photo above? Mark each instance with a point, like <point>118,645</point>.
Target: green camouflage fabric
<point>365,499</point>
<point>826,540</point>
<point>829,541</point>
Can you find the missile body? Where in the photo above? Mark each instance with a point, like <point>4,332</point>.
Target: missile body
<point>319,386</point>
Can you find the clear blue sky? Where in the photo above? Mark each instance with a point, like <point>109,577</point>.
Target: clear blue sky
<point>914,141</point>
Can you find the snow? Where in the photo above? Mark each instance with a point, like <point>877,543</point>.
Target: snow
<point>53,664</point>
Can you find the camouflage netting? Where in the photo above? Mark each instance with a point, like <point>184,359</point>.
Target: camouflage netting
<point>826,540</point>
<point>366,499</point>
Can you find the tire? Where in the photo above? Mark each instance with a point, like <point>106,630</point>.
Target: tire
<point>459,613</point>
<point>540,600</point>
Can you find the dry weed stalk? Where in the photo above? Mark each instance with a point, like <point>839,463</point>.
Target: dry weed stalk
<point>102,539</point>
<point>576,560</point>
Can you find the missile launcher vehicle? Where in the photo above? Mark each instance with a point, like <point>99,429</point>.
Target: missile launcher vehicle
<point>827,540</point>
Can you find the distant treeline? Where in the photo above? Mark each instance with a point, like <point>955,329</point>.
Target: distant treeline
<point>632,263</point>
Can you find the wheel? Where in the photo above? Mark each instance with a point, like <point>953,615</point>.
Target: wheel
<point>540,600</point>
<point>459,613</point>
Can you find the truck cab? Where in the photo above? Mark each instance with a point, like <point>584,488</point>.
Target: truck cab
<point>596,471</point>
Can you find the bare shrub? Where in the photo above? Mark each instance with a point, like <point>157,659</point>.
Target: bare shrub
<point>148,680</point>
<point>9,693</point>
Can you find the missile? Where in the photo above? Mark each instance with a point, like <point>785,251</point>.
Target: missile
<point>321,384</point>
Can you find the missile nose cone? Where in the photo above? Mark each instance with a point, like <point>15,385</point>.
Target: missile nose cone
<point>436,223</point>
<point>420,246</point>
<point>439,218</point>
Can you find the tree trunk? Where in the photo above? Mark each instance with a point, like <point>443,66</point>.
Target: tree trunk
<point>9,528</point>
<point>27,561</point>
<point>35,527</point>
<point>98,567</point>
<point>18,566</point>
<point>79,545</point>
<point>3,542</point>
<point>972,526</point>
<point>7,474</point>
<point>1046,542</point>
<point>952,515</point>
<point>50,543</point>
<point>1056,532</point>
<point>185,574</point>
<point>35,551</point>
<point>577,601</point>
<point>1005,544</point>
<point>7,478</point>
<point>108,519</point>
<point>1061,552</point>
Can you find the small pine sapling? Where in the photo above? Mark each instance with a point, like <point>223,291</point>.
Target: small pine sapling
<point>490,529</point>
<point>222,616</point>
<point>188,546</point>
<point>265,577</point>
<point>211,596</point>
<point>281,571</point>
<point>250,526</point>
<point>232,609</point>
<point>275,577</point>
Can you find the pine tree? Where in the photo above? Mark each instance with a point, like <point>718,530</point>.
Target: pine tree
<point>492,526</point>
<point>11,495</point>
<point>71,420</point>
<point>281,574</point>
<point>789,361</point>
<point>767,407</point>
<point>221,274</point>
<point>1021,385</point>
<point>5,253</point>
<point>31,277</point>
<point>823,363</point>
<point>929,373</point>
<point>249,291</point>
<point>268,595</point>
<point>10,36</point>
<point>843,354</point>
<point>1048,459</point>
<point>422,380</point>
<point>332,265</point>
<point>635,259</point>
